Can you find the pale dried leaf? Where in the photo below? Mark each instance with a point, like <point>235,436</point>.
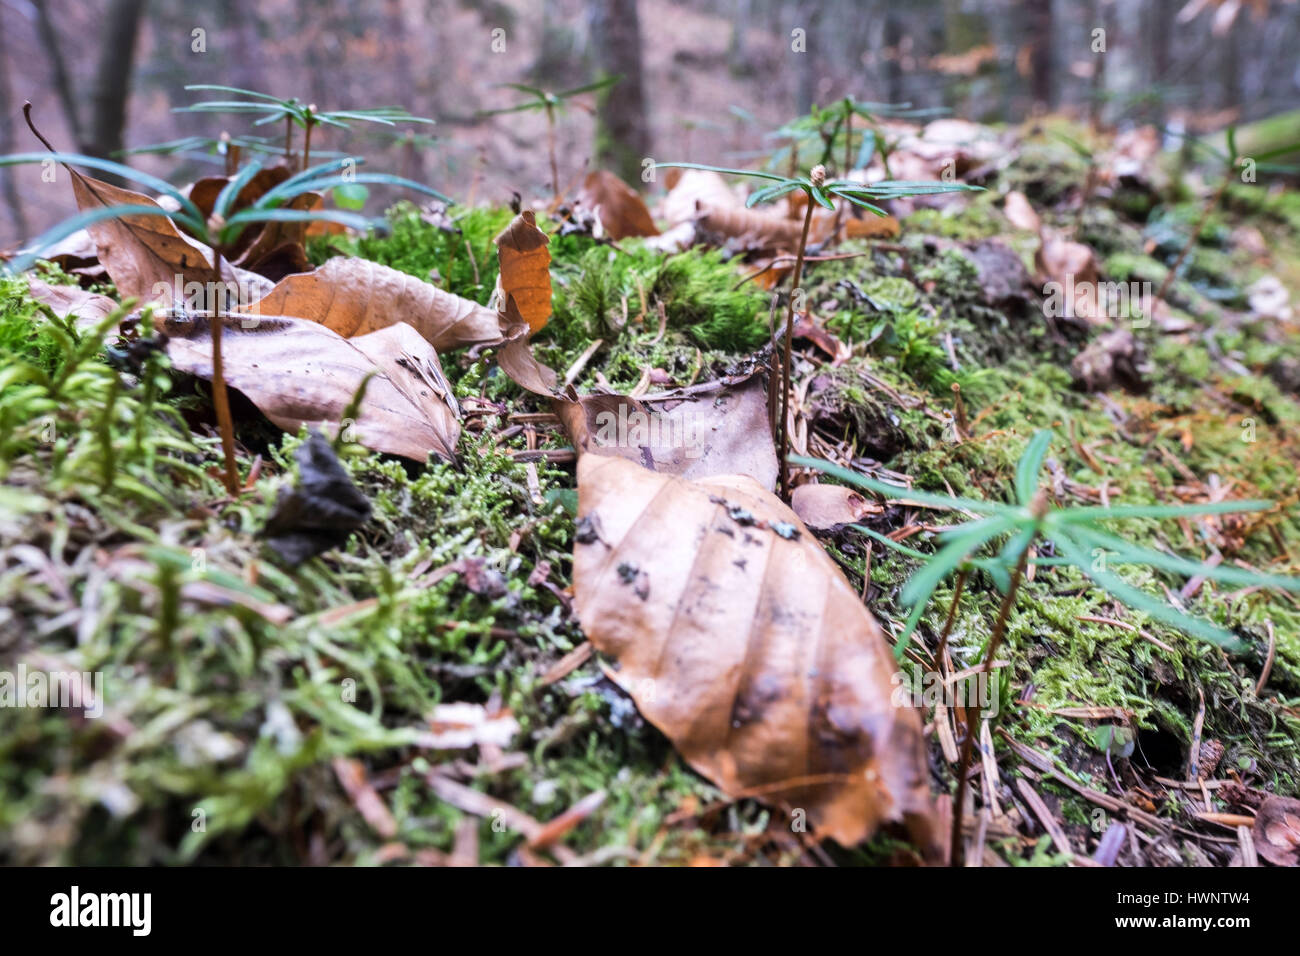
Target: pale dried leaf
<point>299,372</point>
<point>355,297</point>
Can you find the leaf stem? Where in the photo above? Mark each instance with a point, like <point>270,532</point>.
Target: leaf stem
<point>220,398</point>
<point>957,851</point>
<point>550,142</point>
<point>785,359</point>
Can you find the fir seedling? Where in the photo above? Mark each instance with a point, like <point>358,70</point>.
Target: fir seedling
<point>220,231</point>
<point>272,109</point>
<point>1079,538</point>
<point>819,191</point>
<point>550,103</point>
<point>1230,163</point>
<point>826,125</point>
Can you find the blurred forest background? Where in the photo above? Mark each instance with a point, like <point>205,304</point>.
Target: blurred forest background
<point>704,81</point>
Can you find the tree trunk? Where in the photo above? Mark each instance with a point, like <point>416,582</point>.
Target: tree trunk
<point>7,124</point>
<point>622,137</point>
<point>1038,20</point>
<point>113,77</point>
<point>49,35</point>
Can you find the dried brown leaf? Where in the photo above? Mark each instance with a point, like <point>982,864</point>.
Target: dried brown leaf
<point>355,297</point>
<point>621,211</point>
<point>144,255</point>
<point>738,637</point>
<point>525,273</point>
<point>824,507</point>
<point>299,372</point>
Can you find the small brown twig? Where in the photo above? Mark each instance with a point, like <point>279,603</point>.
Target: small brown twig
<point>818,176</point>
<point>957,851</point>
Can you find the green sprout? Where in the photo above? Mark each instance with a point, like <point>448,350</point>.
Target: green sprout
<point>821,192</point>
<point>1079,538</point>
<point>220,231</point>
<point>824,125</point>
<point>1078,535</point>
<point>550,103</point>
<point>272,109</point>
<point>1230,162</point>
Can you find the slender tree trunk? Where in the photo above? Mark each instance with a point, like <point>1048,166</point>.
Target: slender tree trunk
<point>121,24</point>
<point>893,40</point>
<point>49,35</point>
<point>12,199</point>
<point>622,136</point>
<point>1038,21</point>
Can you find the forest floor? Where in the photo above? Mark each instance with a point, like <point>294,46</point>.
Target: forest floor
<point>225,739</point>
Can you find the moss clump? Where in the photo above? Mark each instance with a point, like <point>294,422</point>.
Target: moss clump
<point>458,256</point>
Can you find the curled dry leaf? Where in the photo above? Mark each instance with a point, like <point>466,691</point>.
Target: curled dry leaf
<point>825,507</point>
<point>1277,831</point>
<point>738,637</point>
<point>1073,268</point>
<point>88,308</point>
<point>143,255</point>
<point>1020,213</point>
<point>621,211</point>
<point>692,189</point>
<point>525,273</point>
<point>355,297</point>
<point>299,372</point>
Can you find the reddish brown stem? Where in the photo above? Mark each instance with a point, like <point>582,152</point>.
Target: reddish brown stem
<point>550,142</point>
<point>957,851</point>
<point>306,145</point>
<point>952,616</point>
<point>785,359</point>
<point>220,397</point>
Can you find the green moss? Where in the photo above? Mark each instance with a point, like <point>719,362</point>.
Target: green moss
<point>461,258</point>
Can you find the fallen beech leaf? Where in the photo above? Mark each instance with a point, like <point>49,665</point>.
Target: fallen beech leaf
<point>276,235</point>
<point>738,637</point>
<point>144,255</point>
<point>754,229</point>
<point>204,192</point>
<point>825,507</point>
<point>88,307</point>
<point>76,251</point>
<point>872,227</point>
<point>621,211</point>
<point>320,511</point>
<point>1020,214</point>
<point>525,269</point>
<point>298,372</point>
<point>1072,267</point>
<point>1277,831</point>
<point>693,189</point>
<point>355,297</point>
<point>723,432</point>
